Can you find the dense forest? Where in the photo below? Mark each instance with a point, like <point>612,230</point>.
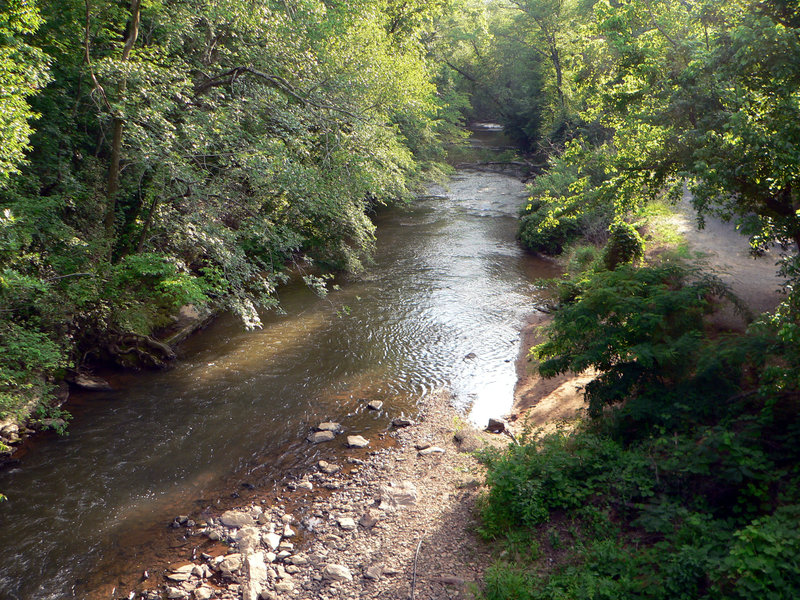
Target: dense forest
<point>157,153</point>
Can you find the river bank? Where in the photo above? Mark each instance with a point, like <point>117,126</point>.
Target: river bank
<point>393,519</point>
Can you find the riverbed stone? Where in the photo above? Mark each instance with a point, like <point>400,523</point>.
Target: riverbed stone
<point>431,450</point>
<point>375,405</point>
<point>497,425</point>
<point>331,426</point>
<point>368,520</point>
<point>288,531</point>
<point>204,593</point>
<point>305,485</point>
<point>284,586</point>
<point>347,523</point>
<point>92,383</point>
<point>255,576</point>
<point>272,540</point>
<point>397,495</point>
<point>248,538</point>
<point>402,422</point>
<point>373,572</point>
<point>357,441</point>
<point>321,436</point>
<point>236,518</point>
<point>231,563</point>
<point>336,572</point>
<point>328,468</point>
<point>176,593</point>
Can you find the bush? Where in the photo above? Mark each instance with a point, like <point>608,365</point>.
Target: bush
<point>624,246</point>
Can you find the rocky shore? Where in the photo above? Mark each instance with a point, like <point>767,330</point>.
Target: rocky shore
<point>394,519</point>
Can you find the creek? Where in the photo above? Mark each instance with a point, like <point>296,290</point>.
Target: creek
<point>441,306</point>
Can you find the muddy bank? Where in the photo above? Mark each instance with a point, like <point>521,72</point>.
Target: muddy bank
<point>394,516</point>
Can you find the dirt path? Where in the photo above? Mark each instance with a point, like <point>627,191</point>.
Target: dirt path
<point>727,252</point>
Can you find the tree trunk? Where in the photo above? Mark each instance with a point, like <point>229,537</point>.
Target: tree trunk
<point>112,186</point>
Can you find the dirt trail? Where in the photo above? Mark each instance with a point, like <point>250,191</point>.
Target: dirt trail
<point>543,403</point>
<point>727,252</point>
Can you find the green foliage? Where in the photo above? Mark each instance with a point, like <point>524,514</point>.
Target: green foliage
<point>763,560</point>
<point>640,328</point>
<point>251,136</point>
<point>26,354</point>
<point>624,246</point>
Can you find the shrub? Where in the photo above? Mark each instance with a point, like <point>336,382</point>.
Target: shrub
<point>624,246</point>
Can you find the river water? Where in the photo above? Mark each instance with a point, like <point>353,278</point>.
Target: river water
<point>441,306</point>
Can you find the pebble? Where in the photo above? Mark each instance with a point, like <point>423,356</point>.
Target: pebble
<point>337,573</point>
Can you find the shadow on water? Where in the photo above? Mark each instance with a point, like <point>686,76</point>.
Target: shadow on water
<point>440,307</point>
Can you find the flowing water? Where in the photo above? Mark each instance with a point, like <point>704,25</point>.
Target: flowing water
<point>440,307</point>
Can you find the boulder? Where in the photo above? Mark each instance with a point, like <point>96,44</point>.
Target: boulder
<point>328,468</point>
<point>329,426</point>
<point>248,539</point>
<point>236,519</point>
<point>255,570</point>
<point>497,426</point>
<point>337,573</point>
<point>92,383</point>
<point>321,436</point>
<point>230,564</point>
<point>357,441</point>
<point>402,422</point>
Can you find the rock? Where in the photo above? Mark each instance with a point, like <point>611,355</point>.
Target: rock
<point>375,405</point>
<point>230,564</point>
<point>255,570</point>
<point>292,569</point>
<point>204,593</point>
<point>248,539</point>
<point>402,422</point>
<point>470,356</point>
<point>468,440</point>
<point>179,576</point>
<point>270,557</point>
<point>305,485</point>
<point>236,519</point>
<point>431,450</point>
<point>373,572</point>
<point>328,468</point>
<point>347,523</point>
<point>497,425</point>
<point>422,445</point>
<point>298,560</point>
<point>321,436</point>
<point>368,520</point>
<point>337,573</point>
<point>272,540</point>
<point>92,383</point>
<point>10,431</point>
<point>329,426</point>
<point>175,593</point>
<point>357,441</point>
<point>188,568</point>
<point>397,495</point>
<point>284,586</point>
<point>288,531</point>
<point>285,546</point>
<point>268,595</point>
<point>214,536</point>
<point>286,519</point>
